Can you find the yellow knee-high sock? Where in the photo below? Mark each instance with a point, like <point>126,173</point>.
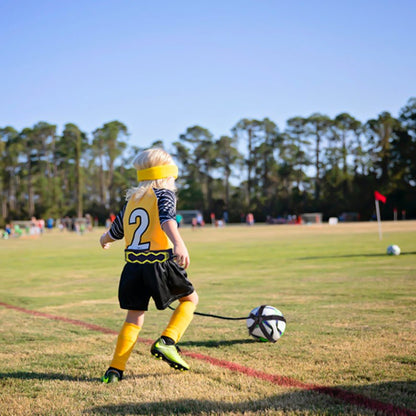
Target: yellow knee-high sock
<point>180,320</point>
<point>125,343</point>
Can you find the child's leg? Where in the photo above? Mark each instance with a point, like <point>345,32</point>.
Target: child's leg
<point>127,338</point>
<point>181,317</point>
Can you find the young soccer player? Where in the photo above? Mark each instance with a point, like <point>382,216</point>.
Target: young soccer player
<point>156,259</point>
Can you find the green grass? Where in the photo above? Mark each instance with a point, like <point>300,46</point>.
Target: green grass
<point>350,308</point>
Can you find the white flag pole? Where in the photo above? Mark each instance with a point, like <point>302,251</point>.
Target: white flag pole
<point>378,219</point>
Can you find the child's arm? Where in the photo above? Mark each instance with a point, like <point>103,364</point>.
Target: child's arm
<point>116,232</point>
<point>106,240</point>
<point>170,227</point>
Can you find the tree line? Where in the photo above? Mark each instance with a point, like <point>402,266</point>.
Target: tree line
<point>315,164</point>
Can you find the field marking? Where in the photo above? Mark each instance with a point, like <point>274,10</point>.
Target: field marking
<point>334,392</point>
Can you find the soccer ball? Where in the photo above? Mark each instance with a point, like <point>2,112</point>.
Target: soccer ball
<point>393,250</point>
<point>266,323</point>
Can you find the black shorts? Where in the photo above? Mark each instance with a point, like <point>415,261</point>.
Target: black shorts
<point>164,282</point>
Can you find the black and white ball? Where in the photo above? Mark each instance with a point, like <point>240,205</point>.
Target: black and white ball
<point>393,250</point>
<point>266,323</point>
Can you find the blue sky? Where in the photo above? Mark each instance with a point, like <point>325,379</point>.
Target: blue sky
<point>162,66</point>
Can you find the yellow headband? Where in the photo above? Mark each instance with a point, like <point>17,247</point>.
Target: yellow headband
<point>157,172</point>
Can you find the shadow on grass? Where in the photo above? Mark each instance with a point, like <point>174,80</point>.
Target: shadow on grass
<point>347,256</point>
<point>31,375</point>
<point>356,400</point>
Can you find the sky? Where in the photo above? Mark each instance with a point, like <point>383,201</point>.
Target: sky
<point>161,66</point>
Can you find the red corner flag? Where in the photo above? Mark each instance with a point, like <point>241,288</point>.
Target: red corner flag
<point>379,197</point>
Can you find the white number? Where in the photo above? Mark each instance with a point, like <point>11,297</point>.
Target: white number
<point>144,223</point>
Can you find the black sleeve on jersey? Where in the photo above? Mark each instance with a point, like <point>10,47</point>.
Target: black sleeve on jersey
<point>117,230</point>
<point>166,202</point>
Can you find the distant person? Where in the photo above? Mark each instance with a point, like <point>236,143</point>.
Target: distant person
<point>250,219</point>
<point>7,231</point>
<point>34,226</point>
<point>17,230</point>
<point>88,222</point>
<point>49,223</point>
<point>41,225</point>
<point>156,259</point>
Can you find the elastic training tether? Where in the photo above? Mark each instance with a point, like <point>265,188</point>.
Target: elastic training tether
<point>215,316</point>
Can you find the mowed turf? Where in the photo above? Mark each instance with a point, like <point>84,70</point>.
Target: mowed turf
<point>350,310</point>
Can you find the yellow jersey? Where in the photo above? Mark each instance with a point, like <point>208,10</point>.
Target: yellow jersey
<point>140,222</point>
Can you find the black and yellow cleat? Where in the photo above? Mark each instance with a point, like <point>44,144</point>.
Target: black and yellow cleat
<point>112,375</point>
<point>169,354</point>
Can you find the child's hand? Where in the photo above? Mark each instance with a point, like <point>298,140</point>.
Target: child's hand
<point>180,251</point>
<point>181,255</point>
<point>105,244</point>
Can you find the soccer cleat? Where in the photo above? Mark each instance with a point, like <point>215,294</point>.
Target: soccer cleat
<point>170,354</point>
<point>112,375</point>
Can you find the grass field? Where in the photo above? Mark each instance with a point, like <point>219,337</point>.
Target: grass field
<point>350,310</point>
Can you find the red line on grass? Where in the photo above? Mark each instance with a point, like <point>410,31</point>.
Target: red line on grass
<point>93,327</point>
<point>337,393</point>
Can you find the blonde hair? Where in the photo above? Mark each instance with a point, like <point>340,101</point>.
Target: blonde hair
<point>148,159</point>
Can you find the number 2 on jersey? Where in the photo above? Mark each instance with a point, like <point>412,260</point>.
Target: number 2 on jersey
<point>136,243</point>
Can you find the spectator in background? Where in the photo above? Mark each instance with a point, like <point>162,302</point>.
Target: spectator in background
<point>49,223</point>
<point>250,219</point>
<point>199,220</point>
<point>41,225</point>
<point>212,216</point>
